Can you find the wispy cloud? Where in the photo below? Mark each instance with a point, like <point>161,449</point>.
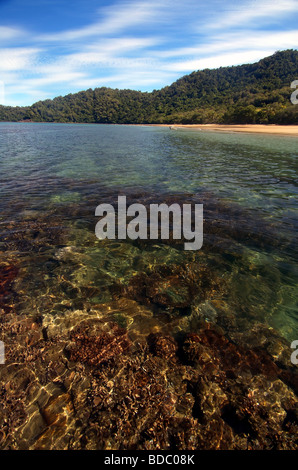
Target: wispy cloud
<point>17,58</point>
<point>140,44</point>
<point>235,41</point>
<point>115,20</point>
<point>234,58</point>
<point>8,33</point>
<point>109,50</point>
<point>253,12</point>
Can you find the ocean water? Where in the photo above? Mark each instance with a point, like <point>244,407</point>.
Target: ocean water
<point>56,174</point>
<point>140,344</point>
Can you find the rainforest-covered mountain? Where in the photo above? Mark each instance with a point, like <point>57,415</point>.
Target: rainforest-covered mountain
<point>250,93</point>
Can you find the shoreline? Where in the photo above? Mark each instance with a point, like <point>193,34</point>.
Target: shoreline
<point>273,129</point>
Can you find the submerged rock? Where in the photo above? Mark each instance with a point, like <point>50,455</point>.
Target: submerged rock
<point>173,287</point>
<point>95,349</point>
<point>8,274</point>
<point>162,346</point>
<point>131,349</point>
<point>90,387</point>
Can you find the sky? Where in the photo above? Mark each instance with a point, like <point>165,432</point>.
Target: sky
<point>51,48</point>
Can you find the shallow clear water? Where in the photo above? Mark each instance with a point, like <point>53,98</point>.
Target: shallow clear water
<point>52,177</point>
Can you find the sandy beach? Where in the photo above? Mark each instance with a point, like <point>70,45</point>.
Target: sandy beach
<point>248,128</point>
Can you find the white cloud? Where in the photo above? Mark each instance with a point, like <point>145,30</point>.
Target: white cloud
<point>109,51</point>
<point>128,14</point>
<point>62,77</point>
<point>117,18</point>
<point>238,41</point>
<point>126,80</point>
<point>2,92</point>
<point>221,60</point>
<point>137,44</point>
<point>20,58</point>
<point>253,11</point>
<point>124,43</point>
<point>8,33</point>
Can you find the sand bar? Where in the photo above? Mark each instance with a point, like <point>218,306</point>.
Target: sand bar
<point>248,128</point>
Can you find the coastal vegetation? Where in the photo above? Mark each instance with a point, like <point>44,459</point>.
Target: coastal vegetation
<point>256,93</point>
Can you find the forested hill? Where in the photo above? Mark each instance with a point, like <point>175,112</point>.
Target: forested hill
<point>250,93</point>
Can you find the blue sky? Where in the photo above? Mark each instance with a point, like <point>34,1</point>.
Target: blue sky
<point>50,48</point>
